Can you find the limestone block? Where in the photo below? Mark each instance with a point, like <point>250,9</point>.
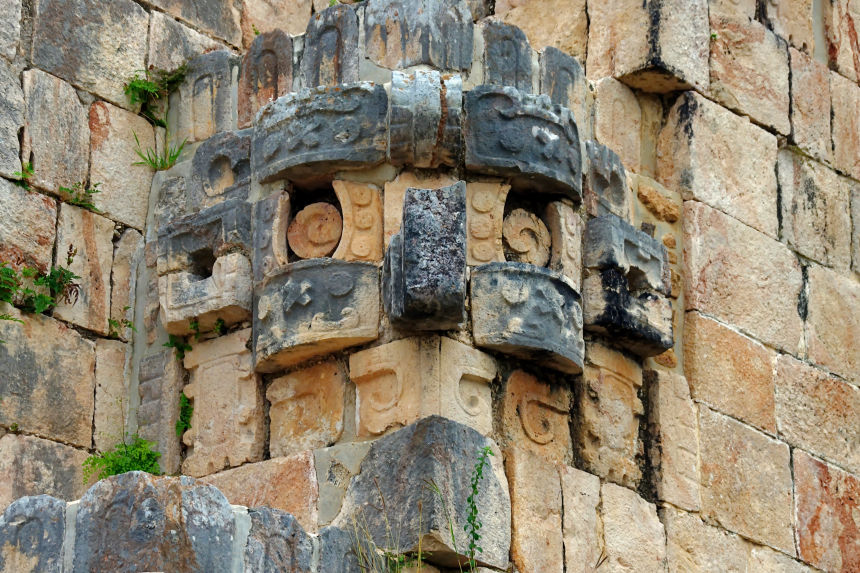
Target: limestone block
<point>220,170</point>
<point>739,9</point>
<point>267,66</point>
<point>10,29</point>
<point>818,412</point>
<point>56,132</point>
<point>633,534</point>
<point>769,561</point>
<point>424,276</point>
<point>841,27</point>
<point>277,542</point>
<point>136,521</point>
<point>485,204</point>
<point>535,418</point>
<point>526,238</point>
<point>663,204</point>
<point>335,466</point>
<point>33,466</point>
<point>712,155</point>
<point>32,530</point>
<point>160,380</point>
<point>562,78</point>
<point>171,43</point>
<point>335,550</point>
<point>507,56</point>
<point>270,219</point>
<point>583,531</point>
<point>618,121</point>
<point>11,110</point>
<point>227,425</point>
<point>331,48</point>
<point>361,206</point>
<point>316,307</point>
<point>399,382</point>
<point>95,46</point>
<point>693,546</point>
<point>260,17</point>
<point>528,312</point>
<point>219,18</point>
<point>746,481</point>
<point>566,230</point>
<point>313,133</point>
<point>674,449</point>
<point>793,21</point>
<point>395,192</point>
<point>282,483</point>
<point>749,71</point>
<point>205,103</point>
<point>169,188</point>
<point>722,255</point>
<point>659,47</point>
<point>536,512</point>
<point>396,469</point>
<point>111,401</point>
<point>845,97</point>
<point>426,110</point>
<point>609,410</point>
<point>560,24</point>
<point>606,190</point>
<point>810,105</point>
<point>523,136</point>
<point>833,323</point>
<point>306,409</point>
<point>127,254</point>
<point>729,371</point>
<point>826,508</point>
<point>27,233</point>
<point>855,233</point>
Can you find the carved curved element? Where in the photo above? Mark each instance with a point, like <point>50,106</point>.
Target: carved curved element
<point>331,47</point>
<point>507,56</point>
<point>361,205</point>
<point>315,231</point>
<point>565,228</point>
<point>271,218</point>
<point>606,188</point>
<point>221,169</point>
<point>485,206</point>
<point>526,238</point>
<point>534,409</point>
<point>267,73</point>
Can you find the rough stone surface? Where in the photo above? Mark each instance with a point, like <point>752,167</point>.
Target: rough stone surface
<point>634,537</point>
<point>562,78</point>
<point>218,18</point>
<point>127,253</point>
<point>27,234</point>
<point>260,17</point>
<point>833,324</point>
<point>160,380</point>
<point>810,105</point>
<point>712,155</point>
<point>395,193</point>
<point>606,190</point>
<point>746,481</point>
<point>560,24</point>
<point>507,56</point>
<point>32,530</point>
<point>335,551</point>
<point>47,385</point>
<point>694,546</point>
<point>845,116</point>
<point>10,29</point>
<point>841,28</point>
<point>770,561</point>
<point>722,256</point>
<point>855,233</point>
<point>793,21</point>
<point>660,202</point>
<point>32,466</point>
<point>277,542</point>
<point>267,69</point>
<point>583,530</point>
<point>335,467</point>
<point>11,115</point>
<point>111,401</point>
<point>331,48</point>
<point>566,229</point>
<point>171,43</point>
<point>485,205</point>
<point>270,219</point>
<point>220,170</point>
<point>618,121</point>
<point>361,207</point>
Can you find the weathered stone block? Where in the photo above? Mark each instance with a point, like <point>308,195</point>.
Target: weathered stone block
<point>692,545</point>
<point>833,322</point>
<point>142,522</point>
<point>315,231</point>
<point>361,206</point>
<point>306,409</point>
<point>510,133</point>
<point>10,29</point>
<point>27,233</point>
<point>663,204</point>
<point>606,190</point>
<point>171,43</point>
<point>395,193</point>
<point>618,121</point>
<point>270,219</point>
<point>827,500</point>
<point>11,113</point>
<point>845,117</point>
<point>746,481</point>
<point>562,78</point>
<point>766,559</point>
<point>259,17</point>
<point>111,400</point>
<point>566,229</point>
<point>127,254</point>
<point>507,57</point>
<point>93,45</point>
<point>714,156</point>
<point>336,554</point>
<point>810,105</point>
<point>228,421</point>
<point>855,233</point>
<point>311,134</point>
<point>485,206</point>
<point>331,48</point>
<point>424,278</point>
<point>526,238</point>
<point>560,24</point>
<point>632,532</point>
<point>841,20</point>
<point>529,312</point>
<point>739,9</point>
<point>722,255</point>
<point>56,131</point>
<point>160,380</point>
<point>277,542</point>
<point>317,307</point>
<point>220,170</point>
<point>335,466</point>
<point>219,18</point>
<point>583,531</point>
<point>32,466</point>
<point>32,530</point>
<point>397,467</point>
<point>169,188</point>
<point>656,47</point>
<point>267,70</point>
<point>792,20</point>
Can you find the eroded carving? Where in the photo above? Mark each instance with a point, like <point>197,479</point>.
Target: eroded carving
<point>205,102</point>
<point>331,47</point>
<point>507,56</point>
<point>485,207</point>
<point>220,170</point>
<point>526,238</point>
<point>606,188</point>
<point>565,228</point>
<point>315,231</point>
<point>160,382</point>
<point>267,73</point>
<point>536,416</point>
<point>361,205</point>
<point>270,220</point>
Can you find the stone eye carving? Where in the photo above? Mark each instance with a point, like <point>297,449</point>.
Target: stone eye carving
<point>315,231</point>
<point>526,238</point>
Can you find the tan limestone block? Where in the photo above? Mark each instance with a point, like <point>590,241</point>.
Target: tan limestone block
<point>694,546</point>
<point>741,277</point>
<point>112,399</point>
<point>285,483</point>
<point>485,207</point>
<point>28,230</point>
<point>632,532</point>
<point>792,20</point>
<point>315,231</point>
<point>746,481</point>
<point>464,387</point>
<point>855,233</point>
<point>361,205</point>
<point>618,121</point>
<point>160,380</point>
<point>841,30</point>
<point>536,512</point>
<point>395,191</point>
<point>740,9</point>
<point>227,424</point>
<point>172,43</point>
<point>127,253</point>
<point>582,529</point>
<point>562,24</point>
<point>33,466</point>
<point>766,560</point>
<point>729,371</point>
<point>306,410</point>
<point>833,324</point>
<point>526,238</point>
<point>565,228</point>
<point>261,16</point>
<point>536,417</point>
<point>658,200</point>
<point>810,105</point>
<point>845,100</point>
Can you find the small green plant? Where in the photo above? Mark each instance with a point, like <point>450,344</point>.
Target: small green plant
<point>220,327</point>
<point>194,325</point>
<point>116,326</point>
<point>79,196</point>
<point>256,31</point>
<point>159,162</point>
<point>25,175</point>
<point>186,409</point>
<point>149,87</point>
<point>14,427</point>
<point>58,281</point>
<point>714,36</point>
<point>132,454</point>
<point>473,524</point>
<point>179,345</point>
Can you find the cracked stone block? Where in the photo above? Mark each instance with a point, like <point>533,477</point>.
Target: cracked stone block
<point>634,536</point>
<point>507,56</point>
<point>171,202</point>
<point>270,219</point>
<point>313,133</point>
<point>833,322</point>
<point>335,467</point>
<point>93,45</point>
<point>10,28</point>
<point>399,382</point>
<point>559,24</point>
<point>655,46</point>
<point>425,117</point>
<point>618,121</point>
<point>266,74</point>
<point>111,398</point>
<point>11,115</point>
<point>485,207</point>
<point>127,254</point>
<point>525,137</point>
<point>793,21</point>
<point>331,48</point>
<point>855,233</point>
<point>27,233</point>
<point>171,43</point>
<point>606,190</point>
<point>566,230</point>
<point>562,78</point>
<point>581,526</point>
<point>318,306</point>
<point>693,545</point>
<point>160,381</point>
<point>306,408</point>
<point>336,553</point>
<point>259,17</point>
<point>219,18</point>
<point>841,29</point>
<point>277,542</point>
<point>845,117</point>
<point>401,34</point>
<point>32,530</point>
<point>32,466</point>
<point>148,523</point>
<point>56,132</point>
<point>397,466</point>
<point>361,207</point>
<point>810,105</point>
<point>424,277</point>
<point>220,170</point>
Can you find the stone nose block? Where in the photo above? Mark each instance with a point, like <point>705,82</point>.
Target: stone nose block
<point>424,277</point>
<point>606,189</point>
<point>529,312</point>
<point>331,47</point>
<point>267,73</point>
<point>220,170</point>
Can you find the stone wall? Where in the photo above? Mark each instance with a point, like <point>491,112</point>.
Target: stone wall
<point>618,243</point>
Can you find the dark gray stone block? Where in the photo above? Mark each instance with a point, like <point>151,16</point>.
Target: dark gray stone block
<point>11,119</point>
<point>337,550</point>
<point>331,48</point>
<point>606,188</point>
<point>277,543</point>
<point>220,170</point>
<point>507,56</point>
<point>424,278</point>
<point>31,531</point>
<point>270,219</point>
<point>266,75</point>
<point>170,188</point>
<point>309,135</point>
<point>529,312</point>
<point>560,73</point>
<point>525,137</point>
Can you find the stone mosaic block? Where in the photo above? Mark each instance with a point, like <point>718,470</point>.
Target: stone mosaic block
<point>841,27</point>
<point>395,193</point>
<point>529,312</point>
<point>523,136</point>
<point>810,105</point>
<point>845,117</point>
<point>260,17</point>
<point>112,396</point>
<point>27,234</point>
<point>31,466</point>
<point>127,255</point>
<point>277,542</point>
<point>32,530</point>
<point>270,219</point>
<point>313,133</point>
<point>562,78</point>
<point>833,322</point>
<point>11,116</point>
<point>424,278</point>
<point>606,189</point>
<point>581,524</point>
<point>361,207</point>
<point>560,24</point>
<point>618,121</point>
<point>316,307</point>
<point>266,73</point>
<point>485,207</point>
<point>160,381</point>
<point>566,229</point>
<point>335,466</point>
<point>331,48</point>
<point>507,56</point>
<point>220,170</point>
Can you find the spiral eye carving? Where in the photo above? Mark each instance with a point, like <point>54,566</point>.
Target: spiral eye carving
<point>315,231</point>
<point>526,238</point>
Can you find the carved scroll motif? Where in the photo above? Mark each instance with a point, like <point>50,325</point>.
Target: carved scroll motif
<point>526,238</point>
<point>361,205</point>
<point>485,206</point>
